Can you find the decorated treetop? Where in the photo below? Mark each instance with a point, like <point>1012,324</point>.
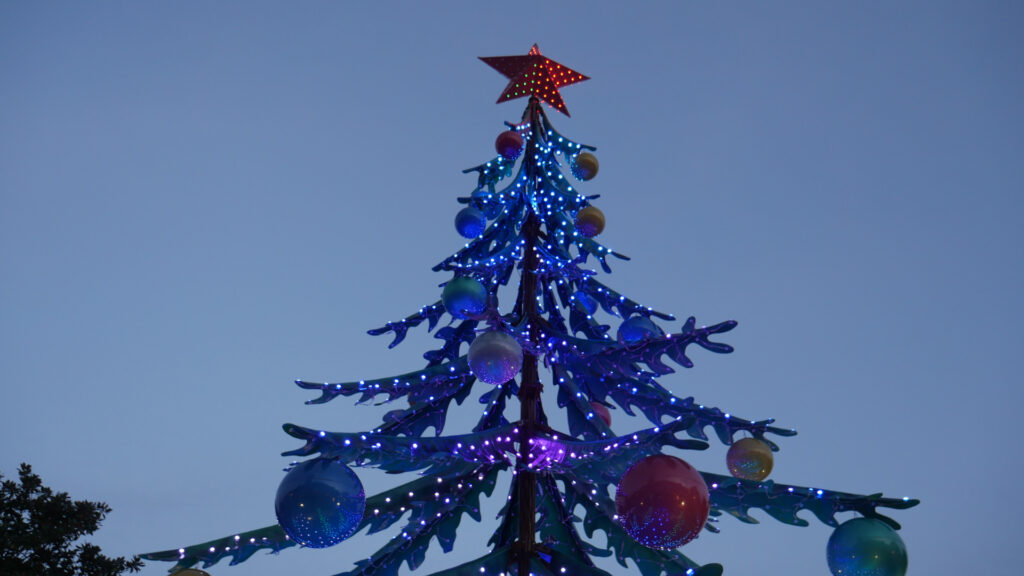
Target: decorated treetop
<point>534,75</point>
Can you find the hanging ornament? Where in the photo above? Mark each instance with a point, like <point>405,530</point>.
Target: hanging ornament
<point>470,222</point>
<point>662,502</point>
<point>590,221</point>
<point>866,547</point>
<point>464,297</point>
<point>584,166</point>
<point>585,300</point>
<point>509,144</point>
<point>602,412</point>
<point>320,503</point>
<point>750,459</point>
<point>495,357</point>
<point>637,329</point>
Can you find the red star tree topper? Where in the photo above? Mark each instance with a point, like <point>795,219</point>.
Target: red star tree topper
<point>534,74</point>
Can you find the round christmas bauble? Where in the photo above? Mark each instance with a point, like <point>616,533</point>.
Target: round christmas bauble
<point>320,503</point>
<point>590,221</point>
<point>585,166</point>
<point>866,547</point>
<point>602,412</point>
<point>662,502</point>
<point>470,222</point>
<point>750,459</point>
<point>509,144</point>
<point>464,297</point>
<point>495,357</point>
<point>637,329</point>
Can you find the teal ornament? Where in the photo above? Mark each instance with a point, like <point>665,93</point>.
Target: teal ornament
<point>866,547</point>
<point>464,297</point>
<point>470,222</point>
<point>495,357</point>
<point>637,329</point>
<point>320,503</point>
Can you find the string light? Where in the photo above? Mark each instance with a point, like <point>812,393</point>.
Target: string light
<point>587,368</point>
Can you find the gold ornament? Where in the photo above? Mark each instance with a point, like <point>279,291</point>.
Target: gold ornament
<point>750,459</point>
<point>590,221</point>
<point>585,166</point>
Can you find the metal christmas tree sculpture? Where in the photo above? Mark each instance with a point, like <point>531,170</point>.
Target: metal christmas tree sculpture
<point>527,221</point>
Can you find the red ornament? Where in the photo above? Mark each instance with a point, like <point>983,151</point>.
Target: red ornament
<point>509,144</point>
<point>662,502</point>
<point>535,75</point>
<point>602,411</point>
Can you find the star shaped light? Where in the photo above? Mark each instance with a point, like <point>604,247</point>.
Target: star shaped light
<point>533,74</point>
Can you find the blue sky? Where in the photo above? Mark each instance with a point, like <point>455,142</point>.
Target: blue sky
<point>201,202</point>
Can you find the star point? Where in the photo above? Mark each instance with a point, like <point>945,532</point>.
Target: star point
<point>534,74</point>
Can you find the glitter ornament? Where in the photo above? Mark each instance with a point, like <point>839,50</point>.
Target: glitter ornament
<point>750,459</point>
<point>601,411</point>
<point>584,299</point>
<point>866,547</point>
<point>590,221</point>
<point>509,144</point>
<point>637,329</point>
<point>662,502</point>
<point>495,357</point>
<point>470,222</point>
<point>584,166</point>
<point>464,297</point>
<point>320,503</point>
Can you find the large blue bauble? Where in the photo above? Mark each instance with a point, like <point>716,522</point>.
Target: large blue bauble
<point>637,329</point>
<point>464,297</point>
<point>495,357</point>
<point>470,222</point>
<point>320,503</point>
<point>866,547</point>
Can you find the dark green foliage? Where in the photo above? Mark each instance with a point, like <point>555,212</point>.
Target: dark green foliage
<point>40,529</point>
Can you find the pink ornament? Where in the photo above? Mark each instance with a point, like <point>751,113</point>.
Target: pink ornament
<point>662,502</point>
<point>509,144</point>
<point>602,411</point>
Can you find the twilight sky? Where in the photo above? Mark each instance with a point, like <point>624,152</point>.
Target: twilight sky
<point>200,202</point>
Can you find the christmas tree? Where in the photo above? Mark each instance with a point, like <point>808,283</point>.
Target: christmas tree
<point>526,220</point>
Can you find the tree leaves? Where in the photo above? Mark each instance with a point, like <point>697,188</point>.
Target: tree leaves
<point>39,528</point>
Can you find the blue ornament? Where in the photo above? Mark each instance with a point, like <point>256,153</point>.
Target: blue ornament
<point>470,222</point>
<point>320,503</point>
<point>584,299</point>
<point>495,357</point>
<point>866,547</point>
<point>464,297</point>
<point>637,329</point>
